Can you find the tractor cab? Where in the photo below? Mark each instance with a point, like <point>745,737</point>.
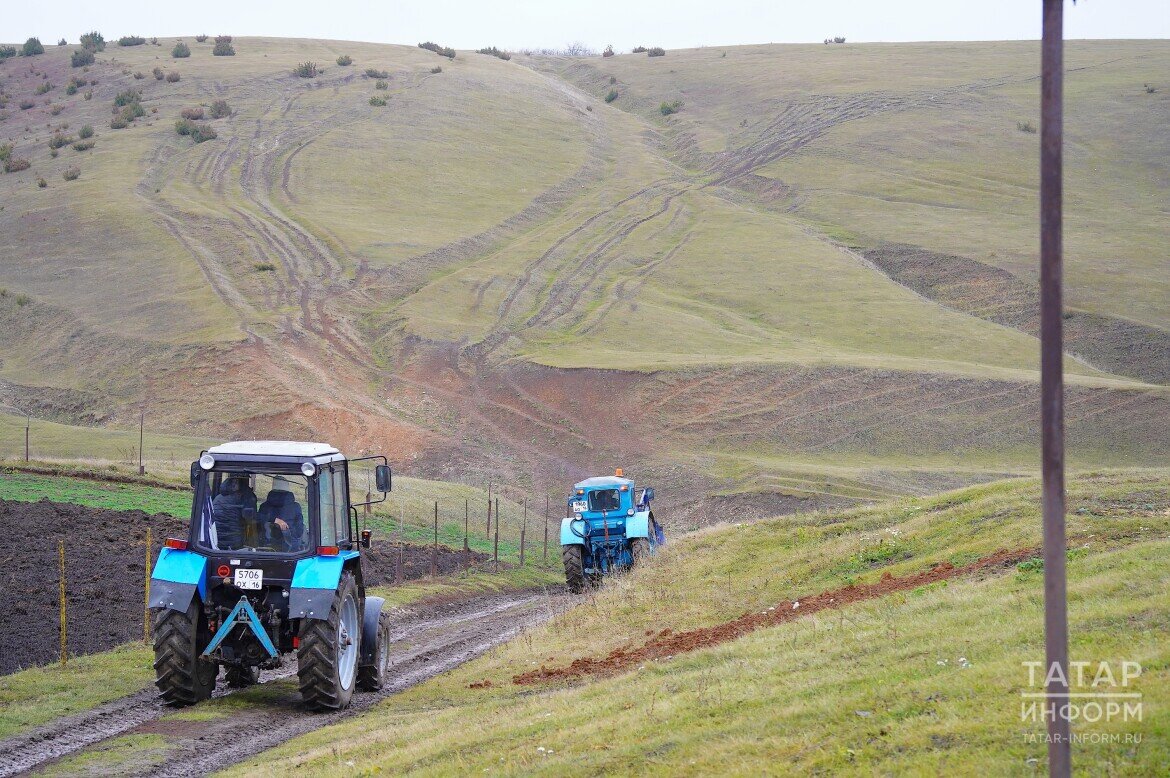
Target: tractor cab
<point>609,526</point>
<point>271,564</point>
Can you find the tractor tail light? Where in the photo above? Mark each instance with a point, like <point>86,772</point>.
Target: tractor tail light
<point>296,642</point>
<point>223,571</point>
<point>328,550</point>
<point>175,543</point>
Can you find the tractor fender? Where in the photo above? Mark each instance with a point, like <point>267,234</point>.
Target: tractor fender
<point>570,538</point>
<point>638,525</point>
<point>177,575</point>
<point>371,620</point>
<point>314,585</point>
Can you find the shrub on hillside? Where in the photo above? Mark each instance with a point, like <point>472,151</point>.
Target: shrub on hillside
<point>608,51</point>
<point>181,51</point>
<point>381,85</point>
<point>372,73</point>
<point>194,114</point>
<point>26,103</point>
<point>448,52</point>
<point>32,47</point>
<point>62,42</point>
<point>44,88</point>
<point>131,40</point>
<point>93,41</point>
<point>81,58</point>
<point>200,38</point>
<point>1149,89</point>
<point>119,122</point>
<point>306,70</point>
<point>42,183</point>
<point>223,39</point>
<point>666,109</point>
<point>139,75</point>
<point>494,52</point>
<point>437,69</point>
<point>71,173</point>
<point>85,132</point>
<point>5,151</point>
<point>56,110</point>
<point>88,94</point>
<point>223,49</point>
<point>613,95</point>
<point>656,51</point>
<point>7,52</point>
<point>154,41</point>
<point>173,76</point>
<point>84,145</point>
<point>265,267</point>
<point>430,46</point>
<point>345,60</point>
<point>127,96</point>
<point>159,74</point>
<point>1025,127</point>
<point>197,132</point>
<point>16,164</point>
<point>377,100</point>
<point>639,49</point>
<point>58,140</point>
<point>220,109</point>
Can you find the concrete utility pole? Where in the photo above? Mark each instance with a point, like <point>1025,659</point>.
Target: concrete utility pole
<point>1052,382</point>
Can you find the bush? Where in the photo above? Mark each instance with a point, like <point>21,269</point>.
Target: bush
<point>197,132</point>
<point>345,60</point>
<point>1025,127</point>
<point>194,114</point>
<point>93,41</point>
<point>639,49</point>
<point>200,38</point>
<point>159,74</point>
<point>173,77</point>
<point>32,47</point>
<point>1149,89</point>
<point>56,110</point>
<point>377,100</point>
<point>131,40</point>
<point>184,126</point>
<point>5,151</point>
<point>84,145</point>
<point>6,52</point>
<point>306,70</point>
<point>448,52</point>
<point>181,51</point>
<point>71,173</point>
<point>42,183</point>
<point>436,69</point>
<point>53,153</point>
<point>127,97</point>
<point>265,267</point>
<point>139,75</point>
<point>381,85</point>
<point>85,132</point>
<point>608,51</point>
<point>23,300</point>
<point>494,52</point>
<point>220,109</point>
<point>119,122</point>
<point>81,58</point>
<point>44,88</point>
<point>16,164</point>
<point>656,51</point>
<point>223,49</point>
<point>223,39</point>
<point>25,104</point>
<point>154,41</point>
<point>88,94</point>
<point>613,95</point>
<point>431,46</point>
<point>58,140</point>
<point>62,42</point>
<point>372,73</point>
<point>666,109</point>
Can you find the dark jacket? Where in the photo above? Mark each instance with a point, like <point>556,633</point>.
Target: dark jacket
<point>232,510</point>
<point>281,504</point>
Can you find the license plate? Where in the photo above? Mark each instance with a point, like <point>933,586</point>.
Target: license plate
<point>578,507</point>
<point>248,578</point>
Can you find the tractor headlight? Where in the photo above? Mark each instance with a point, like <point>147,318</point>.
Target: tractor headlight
<point>207,461</point>
<point>308,468</point>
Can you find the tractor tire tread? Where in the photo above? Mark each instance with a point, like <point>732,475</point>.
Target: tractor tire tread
<point>177,671</point>
<point>574,562</point>
<point>317,655</point>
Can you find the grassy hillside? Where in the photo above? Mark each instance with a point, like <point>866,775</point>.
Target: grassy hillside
<point>499,271</point>
<point>922,680</point>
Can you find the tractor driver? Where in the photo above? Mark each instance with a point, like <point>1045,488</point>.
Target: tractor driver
<point>234,511</point>
<point>281,517</point>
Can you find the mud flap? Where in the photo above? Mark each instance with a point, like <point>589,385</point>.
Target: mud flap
<point>176,577</point>
<point>171,595</point>
<point>371,620</point>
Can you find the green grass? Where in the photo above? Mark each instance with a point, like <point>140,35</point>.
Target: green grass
<point>96,494</point>
<point>121,755</point>
<point>878,687</point>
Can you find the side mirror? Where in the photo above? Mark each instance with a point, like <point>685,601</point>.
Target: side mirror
<point>382,478</point>
<point>195,471</point>
<point>648,494</point>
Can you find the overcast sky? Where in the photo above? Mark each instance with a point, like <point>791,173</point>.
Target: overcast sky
<point>552,23</point>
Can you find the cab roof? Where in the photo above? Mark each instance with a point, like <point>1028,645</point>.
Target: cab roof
<point>604,482</point>
<point>277,448</point>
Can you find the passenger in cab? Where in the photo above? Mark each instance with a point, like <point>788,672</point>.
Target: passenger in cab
<point>282,518</point>
<point>233,511</point>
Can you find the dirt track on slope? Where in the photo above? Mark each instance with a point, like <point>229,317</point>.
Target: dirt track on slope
<point>105,558</point>
<point>668,643</point>
<point>426,641</point>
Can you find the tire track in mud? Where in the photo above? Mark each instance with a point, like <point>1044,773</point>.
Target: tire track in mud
<point>428,641</point>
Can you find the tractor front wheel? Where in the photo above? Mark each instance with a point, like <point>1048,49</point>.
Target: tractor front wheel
<point>327,658</point>
<point>181,674</point>
<point>372,678</point>
<point>573,557</point>
<point>242,677</point>
<point>639,550</point>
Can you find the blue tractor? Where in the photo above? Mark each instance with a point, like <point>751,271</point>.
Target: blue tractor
<point>609,527</point>
<point>271,564</point>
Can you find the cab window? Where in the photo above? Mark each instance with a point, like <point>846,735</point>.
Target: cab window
<point>340,506</point>
<point>326,508</point>
<point>604,500</point>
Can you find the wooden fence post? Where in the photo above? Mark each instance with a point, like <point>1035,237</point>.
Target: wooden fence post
<point>546,529</point>
<point>435,547</point>
<point>61,596</point>
<point>146,593</point>
<point>496,551</point>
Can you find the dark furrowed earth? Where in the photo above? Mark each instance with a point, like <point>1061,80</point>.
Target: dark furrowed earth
<point>105,562</point>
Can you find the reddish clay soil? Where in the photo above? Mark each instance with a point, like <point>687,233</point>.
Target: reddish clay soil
<point>105,561</point>
<point>670,643</point>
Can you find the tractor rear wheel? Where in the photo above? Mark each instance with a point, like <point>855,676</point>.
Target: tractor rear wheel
<point>181,674</point>
<point>327,658</point>
<point>242,677</point>
<point>639,550</point>
<point>573,557</point>
<point>371,678</point>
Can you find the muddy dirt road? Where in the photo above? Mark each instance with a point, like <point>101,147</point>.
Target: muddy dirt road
<point>426,641</point>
